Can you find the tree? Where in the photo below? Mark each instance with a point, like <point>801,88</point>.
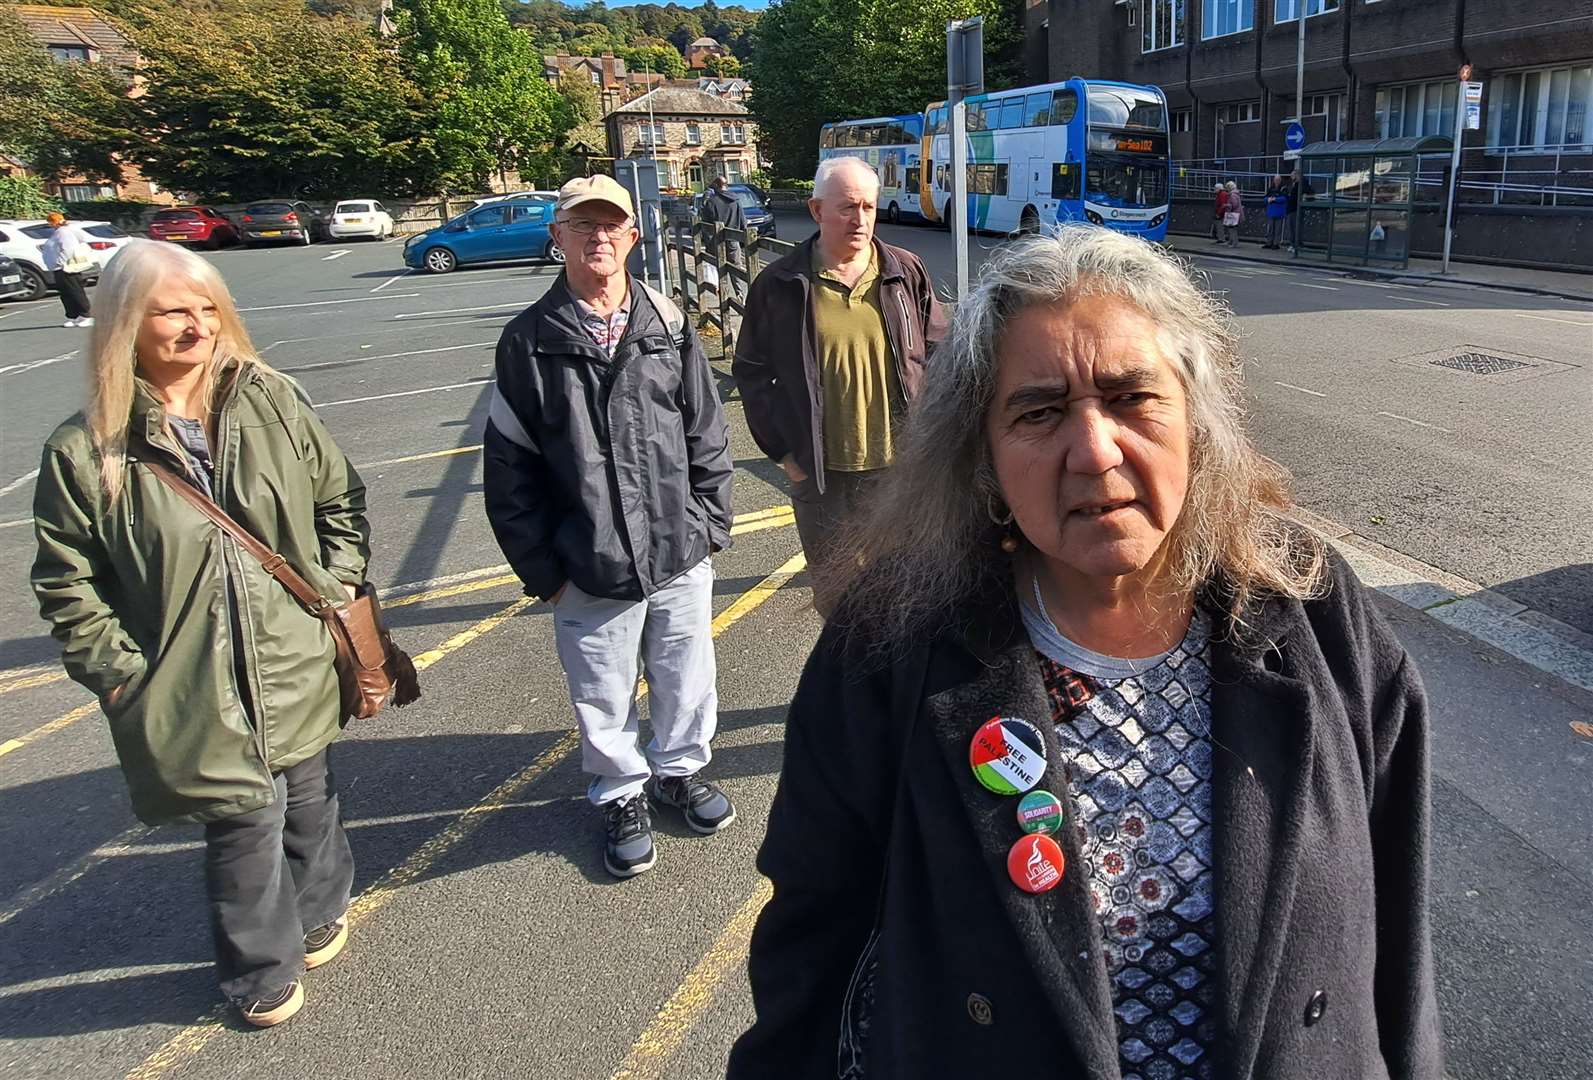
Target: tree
<point>43,119</point>
<point>819,60</point>
<point>491,110</point>
<point>722,67</point>
<point>25,197</point>
<point>660,57</point>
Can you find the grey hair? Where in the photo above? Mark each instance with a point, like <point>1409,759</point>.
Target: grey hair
<point>928,540</point>
<point>830,166</point>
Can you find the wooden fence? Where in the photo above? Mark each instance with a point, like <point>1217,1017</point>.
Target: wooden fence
<point>734,256</point>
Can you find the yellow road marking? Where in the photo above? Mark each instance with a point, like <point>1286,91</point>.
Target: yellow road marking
<point>192,1039</point>
<point>49,729</point>
<point>692,998</point>
<point>465,637</point>
<point>759,515</point>
<point>30,681</point>
<point>451,590</point>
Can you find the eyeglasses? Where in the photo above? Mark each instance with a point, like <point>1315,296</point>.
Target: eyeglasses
<point>588,227</point>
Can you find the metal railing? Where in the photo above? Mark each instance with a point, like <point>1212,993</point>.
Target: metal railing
<point>1556,175</point>
<point>693,246</point>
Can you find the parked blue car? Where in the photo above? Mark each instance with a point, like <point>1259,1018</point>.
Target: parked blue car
<point>500,231</point>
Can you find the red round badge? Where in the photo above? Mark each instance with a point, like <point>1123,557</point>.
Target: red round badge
<point>1036,863</point>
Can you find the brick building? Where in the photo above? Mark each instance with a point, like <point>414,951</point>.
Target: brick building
<point>1372,68</point>
<point>694,135</point>
<point>698,52</point>
<point>77,35</point>
<point>606,73</point>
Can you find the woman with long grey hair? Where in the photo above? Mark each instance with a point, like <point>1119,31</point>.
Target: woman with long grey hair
<point>218,686</point>
<point>1105,767</point>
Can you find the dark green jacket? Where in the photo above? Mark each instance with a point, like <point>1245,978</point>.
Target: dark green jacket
<point>136,593</point>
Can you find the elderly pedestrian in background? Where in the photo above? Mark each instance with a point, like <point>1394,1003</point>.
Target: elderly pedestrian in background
<point>1233,213</point>
<point>831,352</point>
<point>1219,206</point>
<point>66,254</point>
<point>219,687</point>
<point>1104,767</point>
<point>608,481</point>
<point>1277,212</point>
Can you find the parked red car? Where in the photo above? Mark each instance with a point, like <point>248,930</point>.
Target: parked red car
<point>193,225</point>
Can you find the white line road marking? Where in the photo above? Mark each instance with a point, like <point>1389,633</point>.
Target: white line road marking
<point>1303,390</point>
<point>335,255</point>
<point>31,364</point>
<point>66,875</point>
<point>1309,285</point>
<point>1551,318</point>
<point>385,356</point>
<point>392,591</point>
<point>18,482</point>
<point>1418,423</point>
<point>1419,300</point>
<point>530,275</point>
<point>404,393</point>
<point>392,279</point>
<point>14,524</point>
<point>329,303</point>
<point>452,311</point>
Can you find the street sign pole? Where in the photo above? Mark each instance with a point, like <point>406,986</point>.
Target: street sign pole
<point>1299,114</point>
<point>1468,102</point>
<point>965,74</point>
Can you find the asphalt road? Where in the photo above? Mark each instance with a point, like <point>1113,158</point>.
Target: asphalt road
<point>488,940</point>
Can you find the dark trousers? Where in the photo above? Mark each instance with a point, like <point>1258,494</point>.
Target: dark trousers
<point>73,297</point>
<point>1274,231</point>
<point>273,875</point>
<point>819,518</point>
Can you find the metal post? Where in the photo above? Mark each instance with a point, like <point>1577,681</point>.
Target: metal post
<point>965,73</point>
<point>1454,172</point>
<point>1299,118</point>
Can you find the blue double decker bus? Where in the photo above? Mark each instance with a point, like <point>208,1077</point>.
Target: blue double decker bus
<point>1039,156</point>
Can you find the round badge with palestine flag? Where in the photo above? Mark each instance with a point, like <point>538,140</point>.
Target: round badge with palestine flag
<point>1036,863</point>
<point>1007,755</point>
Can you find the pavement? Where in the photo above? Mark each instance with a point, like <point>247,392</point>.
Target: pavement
<point>487,939</point>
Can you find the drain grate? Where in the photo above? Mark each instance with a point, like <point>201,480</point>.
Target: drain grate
<point>1479,363</point>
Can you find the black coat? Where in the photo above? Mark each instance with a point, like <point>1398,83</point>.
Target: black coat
<point>1320,826</point>
<point>724,208</point>
<point>611,473</point>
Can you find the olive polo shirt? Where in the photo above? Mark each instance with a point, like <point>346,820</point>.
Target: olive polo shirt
<point>861,388</point>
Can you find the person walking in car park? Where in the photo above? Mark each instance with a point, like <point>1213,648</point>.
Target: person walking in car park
<point>1219,206</point>
<point>722,208</point>
<point>1233,214</point>
<point>832,349</point>
<point>66,255</point>
<point>608,477</point>
<point>218,686</point>
<point>1277,212</point>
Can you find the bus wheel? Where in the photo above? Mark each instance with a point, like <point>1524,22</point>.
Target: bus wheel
<point>1029,223</point>
<point>893,214</point>
<point>945,217</point>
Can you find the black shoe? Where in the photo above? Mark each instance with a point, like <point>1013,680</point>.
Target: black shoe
<point>322,944</point>
<point>707,809</point>
<point>628,849</point>
<point>273,1010</point>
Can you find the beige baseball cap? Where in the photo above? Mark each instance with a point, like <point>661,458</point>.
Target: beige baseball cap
<point>600,188</point>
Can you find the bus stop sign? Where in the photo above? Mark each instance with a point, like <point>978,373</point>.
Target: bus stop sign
<point>1294,136</point>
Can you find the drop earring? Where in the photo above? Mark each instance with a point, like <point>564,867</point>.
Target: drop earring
<point>1009,541</point>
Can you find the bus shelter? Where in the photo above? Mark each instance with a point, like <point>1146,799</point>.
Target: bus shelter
<point>1357,197</point>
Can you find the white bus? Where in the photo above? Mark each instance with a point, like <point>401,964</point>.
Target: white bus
<point>892,145</point>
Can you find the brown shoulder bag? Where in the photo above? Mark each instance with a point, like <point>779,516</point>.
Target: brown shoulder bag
<point>371,670</point>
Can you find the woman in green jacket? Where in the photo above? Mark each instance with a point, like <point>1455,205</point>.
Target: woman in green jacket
<point>219,687</point>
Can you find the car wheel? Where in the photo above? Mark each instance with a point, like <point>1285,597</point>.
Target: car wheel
<point>554,253</point>
<point>34,282</point>
<point>214,243</point>
<point>439,260</point>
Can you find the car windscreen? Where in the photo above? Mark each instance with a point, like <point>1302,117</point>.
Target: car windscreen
<point>176,215</point>
<point>108,232</point>
<point>269,208</point>
<point>353,208</point>
<point>38,232</point>
<point>748,200</point>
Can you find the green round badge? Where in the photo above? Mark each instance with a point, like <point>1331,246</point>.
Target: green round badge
<point>1040,812</point>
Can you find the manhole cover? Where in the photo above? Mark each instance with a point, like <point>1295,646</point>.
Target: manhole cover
<point>1479,363</point>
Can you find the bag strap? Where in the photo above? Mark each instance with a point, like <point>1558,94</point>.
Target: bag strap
<point>270,561</point>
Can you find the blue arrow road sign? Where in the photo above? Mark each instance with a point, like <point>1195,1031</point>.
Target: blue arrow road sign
<point>1294,136</point>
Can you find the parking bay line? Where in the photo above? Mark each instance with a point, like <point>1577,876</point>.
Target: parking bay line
<point>404,393</point>
<point>516,304</point>
<point>192,1039</point>
<point>1551,318</point>
<point>335,255</point>
<point>384,356</point>
<point>390,280</point>
<point>1303,390</point>
<point>1311,285</point>
<point>329,303</point>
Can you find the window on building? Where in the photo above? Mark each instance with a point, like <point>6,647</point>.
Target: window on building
<point>68,53</point>
<point>694,135</point>
<point>84,192</point>
<point>1162,25</point>
<point>650,134</point>
<point>1328,106</point>
<point>1424,108</point>
<point>733,170</point>
<point>734,134</point>
<point>1541,109</point>
<point>1181,120</point>
<point>597,78</point>
<point>1222,17</point>
<point>1239,112</point>
<point>1289,10</point>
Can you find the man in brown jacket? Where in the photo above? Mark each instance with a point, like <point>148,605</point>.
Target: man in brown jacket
<point>832,349</point>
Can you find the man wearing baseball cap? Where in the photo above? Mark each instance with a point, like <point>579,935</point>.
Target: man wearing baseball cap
<point>608,477</point>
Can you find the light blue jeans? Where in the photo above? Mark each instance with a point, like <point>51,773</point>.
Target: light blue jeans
<point>605,646</point>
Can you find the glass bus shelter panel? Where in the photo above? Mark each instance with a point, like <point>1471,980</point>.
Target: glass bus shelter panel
<point>1317,179</point>
<point>1350,226</point>
<point>1354,181</point>
<point>1389,237</point>
<point>1391,181</point>
<point>1315,226</point>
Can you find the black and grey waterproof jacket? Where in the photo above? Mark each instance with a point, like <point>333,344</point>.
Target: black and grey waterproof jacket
<point>614,473</point>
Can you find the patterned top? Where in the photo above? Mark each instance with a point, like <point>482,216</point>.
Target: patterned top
<point>1136,749</point>
<point>605,331</point>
